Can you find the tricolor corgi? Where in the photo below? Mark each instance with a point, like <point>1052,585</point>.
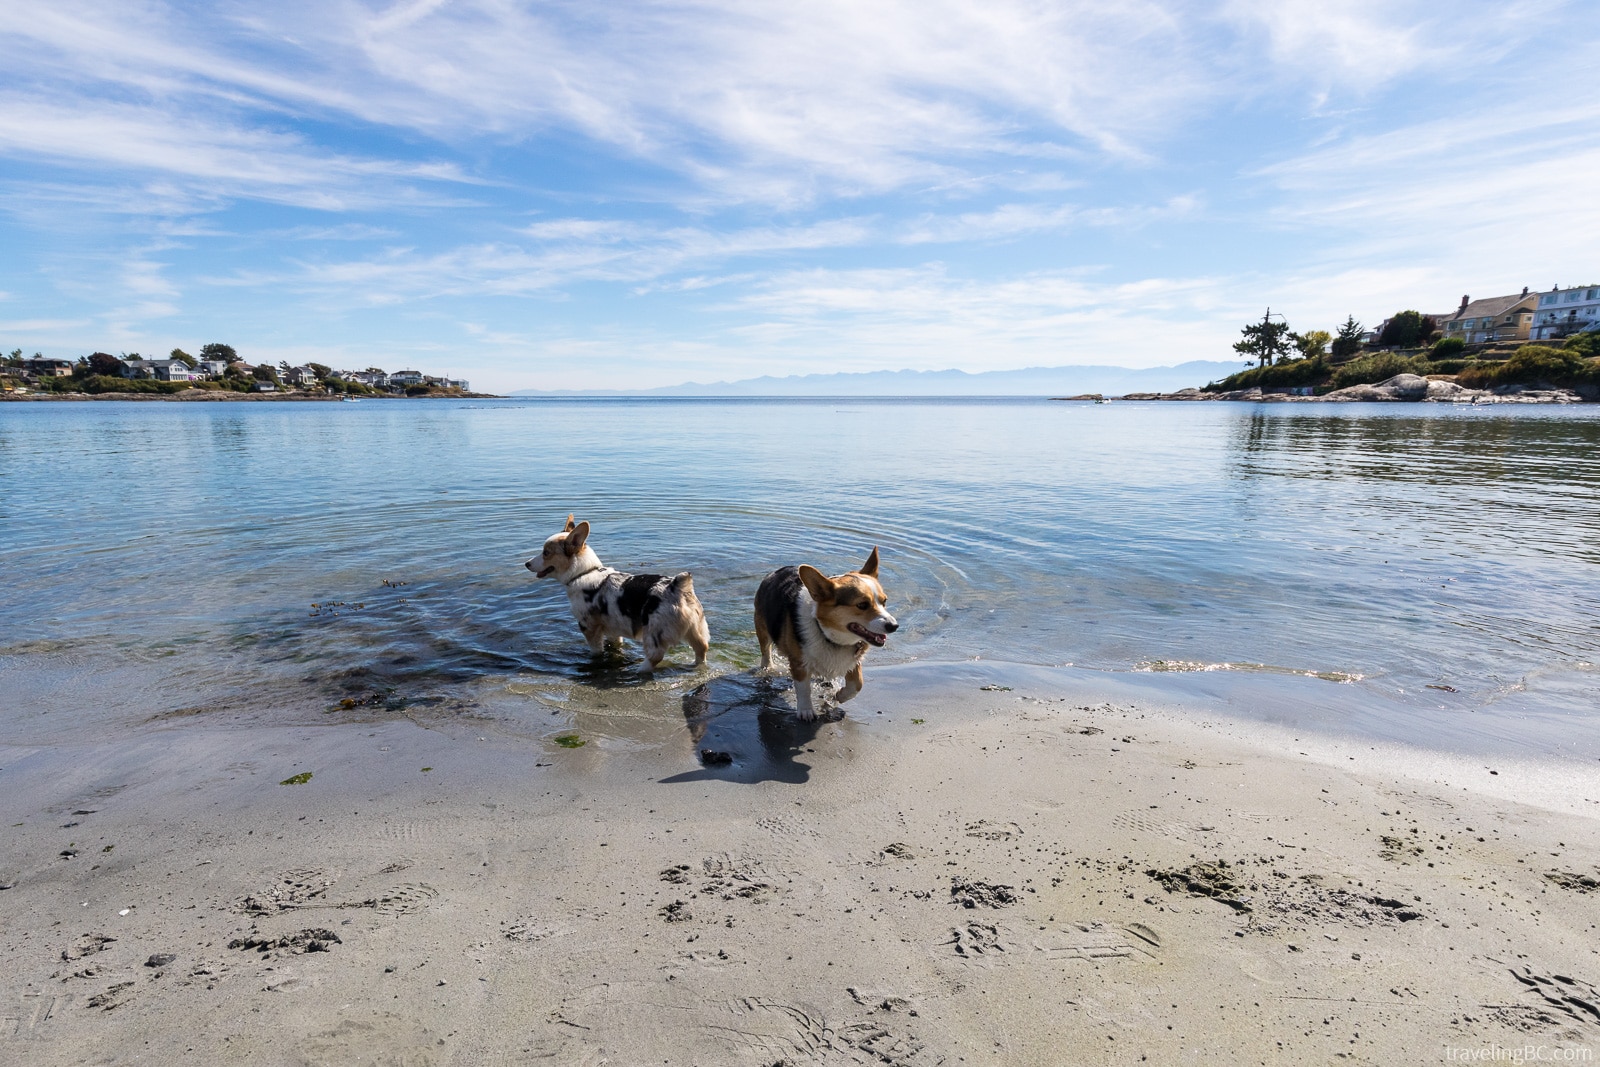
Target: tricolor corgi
<point>657,610</point>
<point>823,626</point>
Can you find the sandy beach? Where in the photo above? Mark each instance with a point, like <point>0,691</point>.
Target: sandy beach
<point>950,874</point>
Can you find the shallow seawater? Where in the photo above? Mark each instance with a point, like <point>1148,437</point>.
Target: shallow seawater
<point>295,561</point>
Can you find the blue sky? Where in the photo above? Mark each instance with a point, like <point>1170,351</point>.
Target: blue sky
<point>568,195</point>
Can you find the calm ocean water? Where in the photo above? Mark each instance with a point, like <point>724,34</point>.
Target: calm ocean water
<point>261,560</point>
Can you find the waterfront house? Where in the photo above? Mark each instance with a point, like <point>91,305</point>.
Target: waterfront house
<point>1562,312</point>
<point>376,379</point>
<point>47,368</point>
<point>1497,318</point>
<point>165,370</point>
<point>403,378</point>
<point>211,368</point>
<point>300,376</point>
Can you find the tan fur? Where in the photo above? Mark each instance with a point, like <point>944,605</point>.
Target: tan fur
<point>848,617</point>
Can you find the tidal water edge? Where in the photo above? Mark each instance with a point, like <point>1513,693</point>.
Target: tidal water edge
<point>1425,575</point>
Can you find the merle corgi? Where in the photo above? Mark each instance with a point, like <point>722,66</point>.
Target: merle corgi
<point>823,626</point>
<point>657,610</point>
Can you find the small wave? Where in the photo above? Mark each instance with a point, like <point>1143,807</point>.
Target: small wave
<point>1193,666</point>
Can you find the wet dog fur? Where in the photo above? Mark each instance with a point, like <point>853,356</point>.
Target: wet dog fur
<point>823,626</point>
<point>659,611</point>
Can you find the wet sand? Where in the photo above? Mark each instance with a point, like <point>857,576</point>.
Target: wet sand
<point>951,874</point>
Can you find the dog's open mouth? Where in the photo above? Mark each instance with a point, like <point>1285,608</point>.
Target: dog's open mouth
<point>875,640</point>
<point>544,573</point>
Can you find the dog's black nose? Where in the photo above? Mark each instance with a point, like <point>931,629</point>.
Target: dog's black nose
<point>890,627</point>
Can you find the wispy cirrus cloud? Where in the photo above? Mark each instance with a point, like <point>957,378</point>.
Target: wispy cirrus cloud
<point>1006,183</point>
<point>222,159</point>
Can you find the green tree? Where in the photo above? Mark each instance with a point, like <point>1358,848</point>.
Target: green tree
<point>15,358</point>
<point>265,373</point>
<point>183,357</point>
<point>1312,343</point>
<point>1348,342</point>
<point>321,370</point>
<point>1266,341</point>
<point>1407,329</point>
<point>216,350</point>
<point>105,363</point>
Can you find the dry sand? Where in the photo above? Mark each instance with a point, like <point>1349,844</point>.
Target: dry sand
<point>1020,877</point>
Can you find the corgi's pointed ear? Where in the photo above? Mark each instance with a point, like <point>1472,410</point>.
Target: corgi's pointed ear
<point>570,524</point>
<point>575,539</point>
<point>819,585</point>
<point>870,567</point>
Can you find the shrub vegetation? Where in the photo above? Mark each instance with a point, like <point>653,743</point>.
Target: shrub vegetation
<point>1535,365</point>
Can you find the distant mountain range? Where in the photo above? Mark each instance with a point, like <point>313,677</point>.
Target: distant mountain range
<point>1031,381</point>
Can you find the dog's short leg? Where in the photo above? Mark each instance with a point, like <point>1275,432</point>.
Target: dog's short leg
<point>853,681</point>
<point>700,640</point>
<point>764,639</point>
<point>802,698</point>
<point>595,636</point>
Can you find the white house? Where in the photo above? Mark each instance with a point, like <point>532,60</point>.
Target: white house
<point>403,378</point>
<point>376,379</point>
<point>211,368</point>
<point>1566,311</point>
<point>166,370</point>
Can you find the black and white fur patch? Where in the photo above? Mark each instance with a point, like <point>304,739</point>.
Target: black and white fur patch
<point>657,610</point>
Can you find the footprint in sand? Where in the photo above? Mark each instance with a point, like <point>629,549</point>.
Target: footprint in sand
<point>1141,823</point>
<point>401,900</point>
<point>386,1039</point>
<point>1096,941</point>
<point>291,890</point>
<point>994,831</point>
<point>32,1016</point>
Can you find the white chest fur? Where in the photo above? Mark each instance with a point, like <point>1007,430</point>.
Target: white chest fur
<point>824,658</point>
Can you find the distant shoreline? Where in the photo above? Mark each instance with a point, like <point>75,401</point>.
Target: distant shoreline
<point>204,396</point>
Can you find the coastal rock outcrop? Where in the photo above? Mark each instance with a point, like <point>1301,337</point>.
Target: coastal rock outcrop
<point>1400,387</point>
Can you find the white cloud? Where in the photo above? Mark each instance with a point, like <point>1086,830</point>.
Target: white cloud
<point>772,102</point>
<point>221,159</point>
<point>769,170</point>
<point>1488,201</point>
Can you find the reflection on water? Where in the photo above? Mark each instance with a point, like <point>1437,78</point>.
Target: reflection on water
<point>290,557</point>
<point>743,730</point>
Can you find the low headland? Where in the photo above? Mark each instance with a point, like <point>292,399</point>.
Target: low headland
<point>218,374</point>
<point>1444,373</point>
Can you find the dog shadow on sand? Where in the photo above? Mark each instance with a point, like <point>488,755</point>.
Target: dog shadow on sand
<point>745,730</point>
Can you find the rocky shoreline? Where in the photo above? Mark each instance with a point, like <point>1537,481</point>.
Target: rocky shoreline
<point>1409,388</point>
